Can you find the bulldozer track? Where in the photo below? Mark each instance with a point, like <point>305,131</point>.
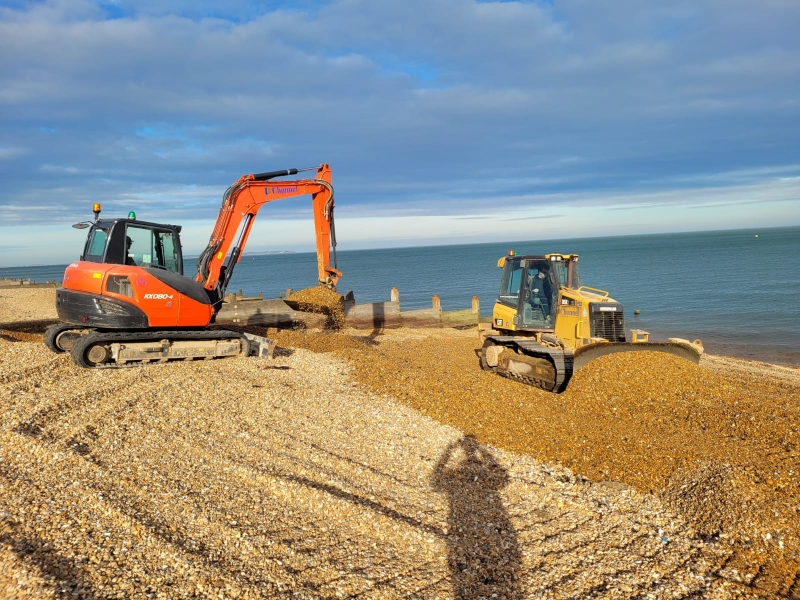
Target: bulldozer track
<point>559,360</point>
<point>537,383</point>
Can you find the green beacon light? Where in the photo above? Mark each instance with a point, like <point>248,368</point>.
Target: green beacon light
<point>132,215</point>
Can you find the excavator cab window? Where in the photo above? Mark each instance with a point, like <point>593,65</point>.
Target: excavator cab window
<point>96,245</point>
<point>153,247</point>
<point>167,251</point>
<point>139,246</point>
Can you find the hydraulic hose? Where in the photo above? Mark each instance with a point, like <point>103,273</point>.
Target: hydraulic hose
<point>282,173</point>
<point>205,256</point>
<point>333,241</point>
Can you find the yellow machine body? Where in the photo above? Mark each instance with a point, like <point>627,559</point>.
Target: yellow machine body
<point>546,325</point>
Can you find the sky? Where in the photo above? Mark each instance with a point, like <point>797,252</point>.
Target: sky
<point>444,121</point>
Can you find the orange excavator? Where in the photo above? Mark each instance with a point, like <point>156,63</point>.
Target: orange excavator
<point>126,300</point>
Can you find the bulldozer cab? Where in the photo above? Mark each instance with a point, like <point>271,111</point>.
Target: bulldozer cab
<point>530,286</point>
<point>134,243</point>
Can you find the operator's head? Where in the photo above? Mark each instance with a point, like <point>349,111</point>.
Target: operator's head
<point>128,241</point>
<point>544,269</point>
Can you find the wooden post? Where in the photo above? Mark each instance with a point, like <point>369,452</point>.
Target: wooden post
<point>289,292</point>
<point>437,304</point>
<point>394,295</point>
<point>476,305</point>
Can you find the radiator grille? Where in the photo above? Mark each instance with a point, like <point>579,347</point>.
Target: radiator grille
<point>607,321</point>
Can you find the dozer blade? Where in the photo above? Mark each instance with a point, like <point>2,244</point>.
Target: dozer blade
<point>551,369</point>
<point>680,348</point>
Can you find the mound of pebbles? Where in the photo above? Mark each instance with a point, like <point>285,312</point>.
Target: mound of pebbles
<point>719,442</point>
<point>321,300</point>
<point>305,477</point>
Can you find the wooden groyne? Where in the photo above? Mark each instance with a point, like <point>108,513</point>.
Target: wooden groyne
<point>27,283</point>
<point>375,315</point>
<point>278,312</point>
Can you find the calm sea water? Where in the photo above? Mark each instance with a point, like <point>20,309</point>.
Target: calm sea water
<point>735,290</point>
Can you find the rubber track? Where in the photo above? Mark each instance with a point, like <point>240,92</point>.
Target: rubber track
<point>52,333</point>
<point>81,345</point>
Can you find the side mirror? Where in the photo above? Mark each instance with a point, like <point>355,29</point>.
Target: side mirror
<point>83,225</point>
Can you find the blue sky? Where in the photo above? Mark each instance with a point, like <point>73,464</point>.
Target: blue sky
<point>444,121</point>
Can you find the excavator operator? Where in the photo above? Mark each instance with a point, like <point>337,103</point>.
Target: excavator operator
<point>128,257</point>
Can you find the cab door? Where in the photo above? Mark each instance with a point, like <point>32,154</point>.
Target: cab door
<point>504,314</point>
<point>146,249</point>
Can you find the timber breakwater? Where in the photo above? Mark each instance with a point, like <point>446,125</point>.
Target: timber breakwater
<point>287,312</point>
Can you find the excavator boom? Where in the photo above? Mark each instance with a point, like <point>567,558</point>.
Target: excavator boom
<point>241,203</point>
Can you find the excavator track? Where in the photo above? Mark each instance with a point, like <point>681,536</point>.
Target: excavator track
<point>61,337</point>
<point>99,350</point>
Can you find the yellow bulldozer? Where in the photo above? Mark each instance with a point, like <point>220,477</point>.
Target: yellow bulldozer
<point>546,325</point>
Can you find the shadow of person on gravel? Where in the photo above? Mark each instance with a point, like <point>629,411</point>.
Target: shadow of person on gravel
<point>483,554</point>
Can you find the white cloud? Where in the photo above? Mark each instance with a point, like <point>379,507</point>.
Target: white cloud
<point>435,108</point>
<point>7,153</point>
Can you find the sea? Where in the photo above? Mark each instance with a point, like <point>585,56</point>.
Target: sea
<point>737,291</point>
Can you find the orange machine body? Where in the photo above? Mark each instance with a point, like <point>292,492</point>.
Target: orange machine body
<point>114,286</point>
<point>164,306</point>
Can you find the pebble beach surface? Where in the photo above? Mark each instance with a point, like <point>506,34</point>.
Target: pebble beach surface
<point>387,465</point>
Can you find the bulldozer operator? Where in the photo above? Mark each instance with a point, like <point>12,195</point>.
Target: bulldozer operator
<point>539,304</point>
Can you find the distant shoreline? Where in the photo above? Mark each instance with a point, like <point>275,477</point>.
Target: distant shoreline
<point>27,283</point>
<point>265,253</point>
<point>14,275</point>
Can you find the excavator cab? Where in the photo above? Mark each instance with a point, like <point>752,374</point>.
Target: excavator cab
<point>134,243</point>
<point>126,300</point>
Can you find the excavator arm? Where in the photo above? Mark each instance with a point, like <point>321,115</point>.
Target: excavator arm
<point>241,203</point>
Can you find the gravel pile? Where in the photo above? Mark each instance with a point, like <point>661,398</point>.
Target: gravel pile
<point>718,442</point>
<point>321,300</point>
<point>31,304</point>
<point>390,466</point>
